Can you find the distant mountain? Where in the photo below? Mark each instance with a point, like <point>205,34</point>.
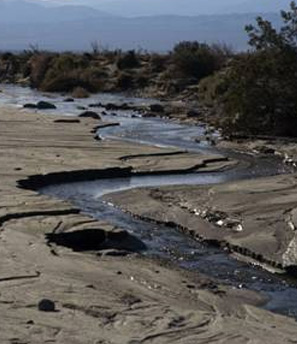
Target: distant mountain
<point>134,8</point>
<point>256,6</point>
<point>18,11</point>
<point>157,33</point>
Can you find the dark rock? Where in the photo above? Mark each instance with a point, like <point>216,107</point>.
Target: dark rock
<point>95,105</point>
<point>42,105</point>
<point>46,305</point>
<point>68,100</point>
<point>111,106</point>
<point>75,120</point>
<point>79,107</point>
<point>30,106</point>
<point>158,108</point>
<point>90,114</point>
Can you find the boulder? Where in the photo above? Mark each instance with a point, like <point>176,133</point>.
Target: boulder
<point>42,105</point>
<point>68,100</point>
<point>90,114</point>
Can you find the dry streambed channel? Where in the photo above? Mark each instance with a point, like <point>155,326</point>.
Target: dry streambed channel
<point>164,242</point>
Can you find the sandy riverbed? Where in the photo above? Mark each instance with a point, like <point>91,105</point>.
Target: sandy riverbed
<point>107,299</point>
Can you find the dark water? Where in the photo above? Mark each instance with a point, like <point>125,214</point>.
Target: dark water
<point>164,242</point>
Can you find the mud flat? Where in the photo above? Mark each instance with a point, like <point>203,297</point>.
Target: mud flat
<point>106,296</point>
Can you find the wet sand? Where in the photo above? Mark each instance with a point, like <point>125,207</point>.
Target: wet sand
<point>103,298</point>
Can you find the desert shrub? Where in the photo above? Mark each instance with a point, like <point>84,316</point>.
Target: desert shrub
<point>68,72</point>
<point>37,67</point>
<point>128,60</point>
<point>194,59</point>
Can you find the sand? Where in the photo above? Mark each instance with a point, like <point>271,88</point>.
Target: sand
<point>102,299</point>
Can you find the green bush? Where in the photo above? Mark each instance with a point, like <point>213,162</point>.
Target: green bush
<point>68,72</point>
<point>194,60</point>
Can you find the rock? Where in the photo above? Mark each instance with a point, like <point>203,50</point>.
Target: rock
<point>90,114</point>
<point>42,105</point>
<point>95,105</point>
<point>46,305</point>
<point>158,108</point>
<point>68,100</point>
<point>112,106</point>
<point>30,106</point>
<point>79,107</point>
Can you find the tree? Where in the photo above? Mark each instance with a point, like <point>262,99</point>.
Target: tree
<point>261,94</point>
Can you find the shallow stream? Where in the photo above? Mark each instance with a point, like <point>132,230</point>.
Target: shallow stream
<point>163,242</point>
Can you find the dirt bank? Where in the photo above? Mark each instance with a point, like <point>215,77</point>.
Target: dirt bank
<point>100,298</point>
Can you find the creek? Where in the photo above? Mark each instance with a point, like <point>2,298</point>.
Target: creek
<point>163,242</point>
